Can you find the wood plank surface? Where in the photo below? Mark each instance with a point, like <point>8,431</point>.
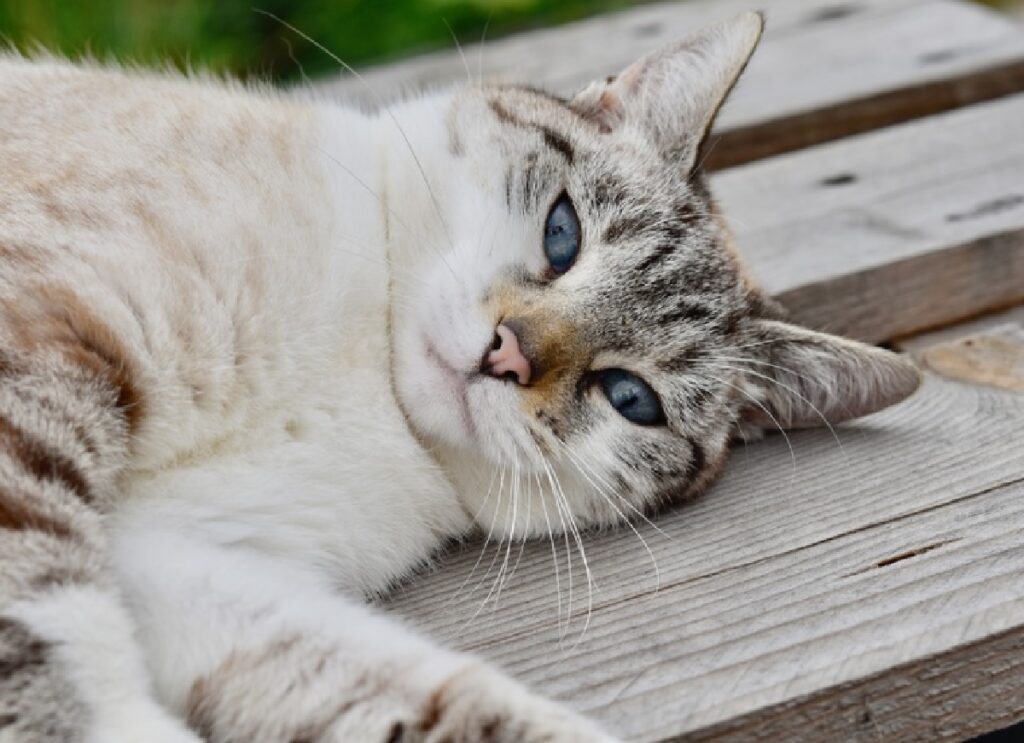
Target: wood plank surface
<point>892,232</point>
<point>1013,317</point>
<point>870,591</point>
<point>825,69</point>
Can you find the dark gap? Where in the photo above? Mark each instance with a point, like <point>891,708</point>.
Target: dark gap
<point>833,13</point>
<point>942,55</point>
<point>987,208</point>
<point>908,554</point>
<point>1012,734</point>
<point>840,179</point>
<point>647,29</point>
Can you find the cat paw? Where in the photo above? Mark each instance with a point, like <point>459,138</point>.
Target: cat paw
<point>479,704</point>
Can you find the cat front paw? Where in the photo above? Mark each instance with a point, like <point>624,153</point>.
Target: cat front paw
<point>480,704</point>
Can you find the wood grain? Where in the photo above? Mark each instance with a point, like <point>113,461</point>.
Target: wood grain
<point>871,592</point>
<point>985,323</point>
<point>889,233</point>
<point>826,69</point>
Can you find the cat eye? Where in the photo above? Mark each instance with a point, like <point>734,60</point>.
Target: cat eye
<point>631,396</point>
<point>562,235</point>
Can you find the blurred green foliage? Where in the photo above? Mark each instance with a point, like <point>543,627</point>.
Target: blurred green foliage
<point>234,36</point>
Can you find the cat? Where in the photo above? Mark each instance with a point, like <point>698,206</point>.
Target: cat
<point>263,356</point>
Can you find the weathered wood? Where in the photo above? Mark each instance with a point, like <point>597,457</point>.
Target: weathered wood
<point>986,323</point>
<point>892,232</point>
<point>825,69</point>
<point>869,592</point>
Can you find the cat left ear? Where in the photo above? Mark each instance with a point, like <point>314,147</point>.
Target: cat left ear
<point>810,379</point>
<point>673,94</point>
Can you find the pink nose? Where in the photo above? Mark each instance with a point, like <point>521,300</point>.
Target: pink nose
<point>507,357</point>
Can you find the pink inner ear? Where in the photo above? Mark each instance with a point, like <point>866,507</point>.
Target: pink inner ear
<point>629,79</point>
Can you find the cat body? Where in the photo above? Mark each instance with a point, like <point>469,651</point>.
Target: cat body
<point>264,356</point>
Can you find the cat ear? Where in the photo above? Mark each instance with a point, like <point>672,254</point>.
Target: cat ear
<point>811,378</point>
<point>673,94</point>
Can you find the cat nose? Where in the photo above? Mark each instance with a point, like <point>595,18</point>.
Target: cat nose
<point>506,357</point>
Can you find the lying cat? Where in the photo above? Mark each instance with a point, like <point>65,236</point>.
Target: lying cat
<point>262,356</point>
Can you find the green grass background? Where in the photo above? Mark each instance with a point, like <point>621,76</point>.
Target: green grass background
<point>230,36</point>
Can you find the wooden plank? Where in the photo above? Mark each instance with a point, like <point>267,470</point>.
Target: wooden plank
<point>826,69</point>
<point>870,591</point>
<point>885,234</point>
<point>995,321</point>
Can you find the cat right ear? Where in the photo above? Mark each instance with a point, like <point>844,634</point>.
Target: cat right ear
<point>807,379</point>
<point>673,94</point>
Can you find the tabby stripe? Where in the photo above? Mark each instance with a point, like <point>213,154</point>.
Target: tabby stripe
<point>697,463</point>
<point>660,253</point>
<point>687,311</point>
<point>557,142</point>
<point>553,139</point>
<point>16,514</point>
<point>631,225</point>
<point>41,461</point>
<point>29,651</point>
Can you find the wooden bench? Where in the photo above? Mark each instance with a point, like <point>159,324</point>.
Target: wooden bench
<point>865,588</point>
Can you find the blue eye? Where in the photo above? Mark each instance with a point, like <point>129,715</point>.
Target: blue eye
<point>562,235</point>
<point>631,396</point>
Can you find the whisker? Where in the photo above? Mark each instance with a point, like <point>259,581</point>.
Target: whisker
<point>789,444</point>
<point>386,109</point>
<point>458,46</point>
<point>560,495</point>
<point>554,554</point>
<point>793,392</point>
<point>578,460</point>
<point>487,542</point>
<point>480,56</point>
<point>628,522</point>
<point>494,584</point>
<point>487,539</point>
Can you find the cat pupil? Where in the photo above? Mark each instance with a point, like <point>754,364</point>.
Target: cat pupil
<point>562,235</point>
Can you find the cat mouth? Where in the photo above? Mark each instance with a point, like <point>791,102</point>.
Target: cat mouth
<point>457,383</point>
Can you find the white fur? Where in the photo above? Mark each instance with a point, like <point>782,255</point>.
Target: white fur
<point>87,630</point>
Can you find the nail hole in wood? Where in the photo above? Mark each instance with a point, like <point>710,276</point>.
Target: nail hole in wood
<point>942,55</point>
<point>832,13</point>
<point>839,179</point>
<point>647,29</point>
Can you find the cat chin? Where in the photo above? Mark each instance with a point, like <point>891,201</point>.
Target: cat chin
<point>475,419</point>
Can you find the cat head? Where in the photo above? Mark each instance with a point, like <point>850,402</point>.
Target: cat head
<point>573,334</point>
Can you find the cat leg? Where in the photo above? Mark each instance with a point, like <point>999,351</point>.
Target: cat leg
<point>247,648</point>
<point>70,669</point>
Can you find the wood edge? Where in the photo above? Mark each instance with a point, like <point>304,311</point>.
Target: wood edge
<point>746,144</point>
<point>864,709</point>
<point>902,298</point>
